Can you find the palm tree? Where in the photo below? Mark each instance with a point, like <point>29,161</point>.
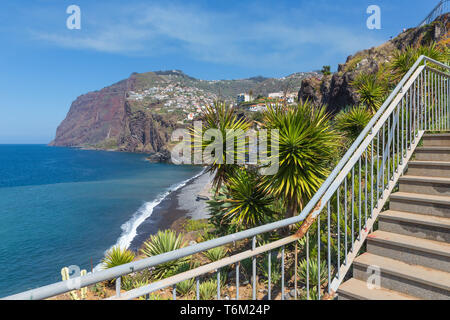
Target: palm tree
<point>306,145</point>
<point>222,118</point>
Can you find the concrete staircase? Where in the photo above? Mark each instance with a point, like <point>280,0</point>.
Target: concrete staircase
<point>411,249</point>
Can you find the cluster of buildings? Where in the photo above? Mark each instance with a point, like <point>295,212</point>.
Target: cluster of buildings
<point>260,104</point>
<point>175,97</point>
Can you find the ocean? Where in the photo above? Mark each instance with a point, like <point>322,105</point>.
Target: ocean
<point>65,206</point>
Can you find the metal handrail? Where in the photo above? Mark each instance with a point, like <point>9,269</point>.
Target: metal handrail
<point>314,206</point>
<point>441,8</point>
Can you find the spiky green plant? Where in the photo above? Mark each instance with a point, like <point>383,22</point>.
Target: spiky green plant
<point>313,271</point>
<point>247,203</point>
<point>216,254</point>
<point>222,118</point>
<point>404,60</point>
<point>208,290</point>
<point>307,144</point>
<point>116,257</point>
<point>371,89</point>
<point>184,288</point>
<point>313,295</point>
<point>275,269</point>
<point>162,242</point>
<point>351,121</point>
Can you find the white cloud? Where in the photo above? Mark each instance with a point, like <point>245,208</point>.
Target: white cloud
<point>211,36</point>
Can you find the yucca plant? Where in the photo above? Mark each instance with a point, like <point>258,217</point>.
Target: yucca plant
<point>162,242</point>
<point>307,144</point>
<point>215,254</point>
<point>247,203</point>
<point>208,290</point>
<point>352,121</point>
<point>222,118</point>
<point>116,257</point>
<point>371,89</point>
<point>404,60</point>
<point>313,271</point>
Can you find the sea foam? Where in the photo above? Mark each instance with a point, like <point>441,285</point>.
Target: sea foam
<point>129,228</point>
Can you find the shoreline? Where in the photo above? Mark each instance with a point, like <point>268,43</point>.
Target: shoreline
<point>177,207</point>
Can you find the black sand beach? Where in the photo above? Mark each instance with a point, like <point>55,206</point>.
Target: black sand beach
<point>179,204</point>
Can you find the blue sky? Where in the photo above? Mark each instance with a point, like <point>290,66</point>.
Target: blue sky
<point>44,66</point>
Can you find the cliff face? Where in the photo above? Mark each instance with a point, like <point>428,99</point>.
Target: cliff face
<point>143,132</point>
<point>336,91</point>
<point>93,117</point>
<point>140,113</point>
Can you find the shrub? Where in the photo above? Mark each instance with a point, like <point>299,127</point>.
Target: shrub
<point>208,290</point>
<point>275,269</point>
<point>116,257</point>
<point>162,242</point>
<point>351,121</point>
<point>313,272</point>
<point>215,254</point>
<point>185,287</point>
<point>371,89</point>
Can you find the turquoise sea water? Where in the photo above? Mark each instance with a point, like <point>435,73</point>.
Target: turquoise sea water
<point>63,206</point>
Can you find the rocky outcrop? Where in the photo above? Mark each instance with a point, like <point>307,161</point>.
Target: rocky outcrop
<point>336,91</point>
<point>93,117</point>
<point>144,132</point>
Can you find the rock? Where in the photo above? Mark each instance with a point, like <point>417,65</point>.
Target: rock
<point>336,92</point>
<point>292,293</point>
<point>163,156</point>
<point>192,242</point>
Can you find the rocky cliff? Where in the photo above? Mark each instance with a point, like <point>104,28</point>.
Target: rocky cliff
<point>336,91</point>
<point>139,114</point>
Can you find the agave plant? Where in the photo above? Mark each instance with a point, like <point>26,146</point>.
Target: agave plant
<point>351,121</point>
<point>222,118</point>
<point>208,290</point>
<point>215,254</point>
<point>275,269</point>
<point>162,242</point>
<point>184,288</point>
<point>313,294</point>
<point>116,257</point>
<point>307,144</point>
<point>313,271</point>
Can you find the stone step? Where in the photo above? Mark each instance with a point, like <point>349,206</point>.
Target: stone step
<point>429,168</point>
<point>412,250</point>
<point>433,154</point>
<point>436,186</point>
<point>436,140</point>
<point>354,289</point>
<point>420,203</point>
<point>413,280</point>
<point>415,225</point>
